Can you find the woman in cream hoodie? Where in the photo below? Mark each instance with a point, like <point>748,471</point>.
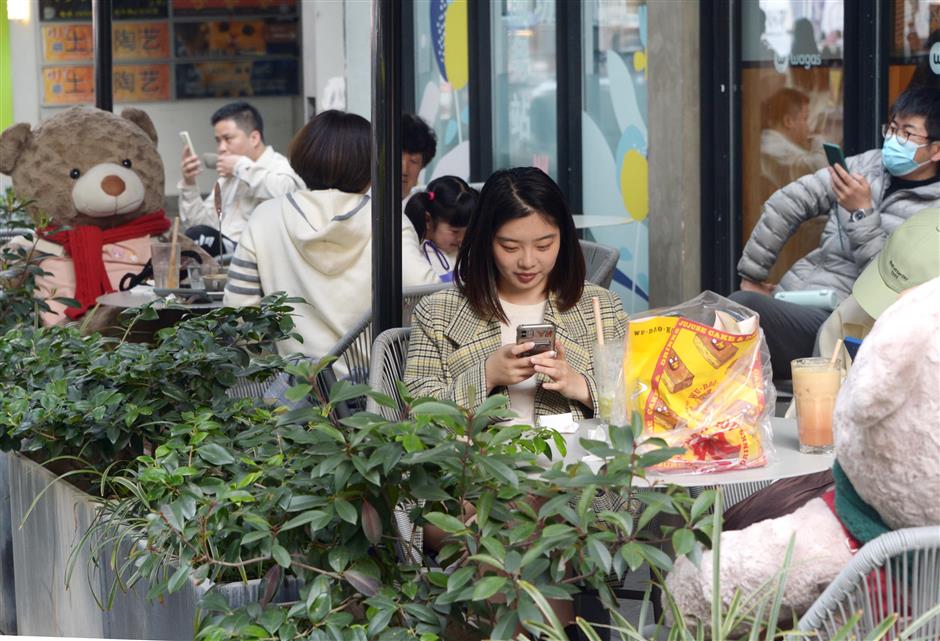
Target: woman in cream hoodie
<point>317,244</point>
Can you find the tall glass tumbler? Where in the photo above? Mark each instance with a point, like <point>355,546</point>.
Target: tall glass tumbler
<point>609,378</point>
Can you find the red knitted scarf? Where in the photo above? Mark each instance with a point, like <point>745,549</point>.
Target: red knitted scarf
<point>84,245</point>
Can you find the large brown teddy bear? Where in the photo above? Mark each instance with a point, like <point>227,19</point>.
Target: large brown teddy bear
<point>99,178</point>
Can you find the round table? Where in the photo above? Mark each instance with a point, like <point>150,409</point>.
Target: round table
<point>143,295</point>
<point>785,461</point>
<point>143,331</point>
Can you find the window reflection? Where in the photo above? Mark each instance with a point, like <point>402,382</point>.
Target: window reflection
<point>915,45</point>
<point>524,86</point>
<point>442,83</point>
<point>614,133</point>
<point>791,102</point>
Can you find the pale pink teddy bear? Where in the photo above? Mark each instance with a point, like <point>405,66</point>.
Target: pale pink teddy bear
<point>887,439</point>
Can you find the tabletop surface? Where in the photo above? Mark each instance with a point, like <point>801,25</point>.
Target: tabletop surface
<point>144,295</point>
<point>784,462</point>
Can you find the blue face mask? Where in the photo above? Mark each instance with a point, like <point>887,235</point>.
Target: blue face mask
<point>898,157</point>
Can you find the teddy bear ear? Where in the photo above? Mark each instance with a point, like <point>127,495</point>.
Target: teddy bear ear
<point>12,143</point>
<point>142,120</point>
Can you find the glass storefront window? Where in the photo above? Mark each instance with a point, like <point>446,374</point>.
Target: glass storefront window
<point>442,93</point>
<point>524,85</point>
<point>915,45</point>
<point>791,102</point>
<point>614,137</point>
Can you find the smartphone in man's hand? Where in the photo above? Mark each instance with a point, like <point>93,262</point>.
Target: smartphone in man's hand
<point>184,136</point>
<point>834,154</point>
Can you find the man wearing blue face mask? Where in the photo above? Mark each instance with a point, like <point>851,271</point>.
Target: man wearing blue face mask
<point>881,189</point>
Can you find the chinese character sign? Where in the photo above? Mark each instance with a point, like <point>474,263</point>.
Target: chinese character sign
<point>141,41</point>
<point>67,43</point>
<point>130,41</point>
<point>75,84</point>
<point>141,83</point>
<point>68,85</point>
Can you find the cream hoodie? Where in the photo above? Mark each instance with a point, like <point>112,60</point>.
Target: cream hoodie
<point>316,245</point>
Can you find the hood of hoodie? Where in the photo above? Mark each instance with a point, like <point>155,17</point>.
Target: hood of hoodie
<point>329,228</point>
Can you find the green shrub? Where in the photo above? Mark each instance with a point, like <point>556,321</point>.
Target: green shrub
<point>301,494</point>
<point>103,400</point>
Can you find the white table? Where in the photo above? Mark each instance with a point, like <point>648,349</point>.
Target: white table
<point>786,461</point>
<point>143,295</point>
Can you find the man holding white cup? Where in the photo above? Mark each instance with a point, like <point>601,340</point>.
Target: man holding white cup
<point>250,172</point>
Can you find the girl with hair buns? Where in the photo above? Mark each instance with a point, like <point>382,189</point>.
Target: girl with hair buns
<point>440,216</point>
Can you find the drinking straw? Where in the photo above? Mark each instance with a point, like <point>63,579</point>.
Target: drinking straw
<point>172,279</point>
<point>597,320</point>
<point>835,352</point>
<point>217,195</point>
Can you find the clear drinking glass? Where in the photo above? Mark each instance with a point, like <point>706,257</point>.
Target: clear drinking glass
<point>816,383</point>
<point>162,257</point>
<point>195,277</point>
<point>608,376</point>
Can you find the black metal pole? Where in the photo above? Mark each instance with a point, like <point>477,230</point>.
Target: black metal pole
<point>101,26</point>
<point>386,165</point>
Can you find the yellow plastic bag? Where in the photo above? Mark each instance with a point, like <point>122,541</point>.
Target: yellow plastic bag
<point>700,376</point>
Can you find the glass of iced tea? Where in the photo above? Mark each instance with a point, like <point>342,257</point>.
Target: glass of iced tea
<point>816,384</point>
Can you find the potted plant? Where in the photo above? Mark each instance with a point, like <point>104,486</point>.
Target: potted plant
<point>312,497</point>
<point>85,406</point>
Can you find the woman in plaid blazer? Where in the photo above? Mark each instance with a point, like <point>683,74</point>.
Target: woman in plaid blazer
<point>521,260</point>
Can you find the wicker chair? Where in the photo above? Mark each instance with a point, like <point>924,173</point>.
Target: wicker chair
<point>353,351</point>
<point>732,492</point>
<point>897,573</point>
<point>9,233</point>
<point>601,262</point>
<point>389,354</point>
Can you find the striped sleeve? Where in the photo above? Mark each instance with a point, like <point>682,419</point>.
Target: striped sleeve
<point>243,288</point>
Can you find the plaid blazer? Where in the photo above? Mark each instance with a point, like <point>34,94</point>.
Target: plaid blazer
<point>450,344</point>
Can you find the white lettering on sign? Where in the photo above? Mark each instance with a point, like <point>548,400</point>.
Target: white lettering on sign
<point>805,60</point>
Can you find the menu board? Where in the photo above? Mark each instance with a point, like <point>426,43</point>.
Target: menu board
<point>218,79</point>
<point>227,7</point>
<point>228,38</point>
<point>173,49</point>
<point>65,10</point>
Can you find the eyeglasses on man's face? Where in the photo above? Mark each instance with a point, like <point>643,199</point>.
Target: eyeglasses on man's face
<point>903,135</point>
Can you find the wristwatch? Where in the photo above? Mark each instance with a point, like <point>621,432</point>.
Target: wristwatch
<point>858,215</point>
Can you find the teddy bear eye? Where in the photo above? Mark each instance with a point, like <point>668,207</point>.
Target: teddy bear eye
<point>126,162</point>
<point>75,173</point>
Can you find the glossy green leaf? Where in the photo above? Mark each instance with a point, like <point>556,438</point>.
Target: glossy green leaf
<point>345,510</point>
<point>487,587</point>
<point>281,555</point>
<point>215,454</point>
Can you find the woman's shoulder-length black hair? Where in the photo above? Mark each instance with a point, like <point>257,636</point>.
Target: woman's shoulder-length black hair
<point>507,195</point>
<point>333,151</point>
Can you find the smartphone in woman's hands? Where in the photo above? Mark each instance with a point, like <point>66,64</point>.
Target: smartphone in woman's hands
<point>542,334</point>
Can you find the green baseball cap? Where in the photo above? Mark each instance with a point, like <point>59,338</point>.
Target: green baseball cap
<point>910,257</point>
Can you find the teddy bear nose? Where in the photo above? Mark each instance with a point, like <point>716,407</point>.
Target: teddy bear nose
<point>113,185</point>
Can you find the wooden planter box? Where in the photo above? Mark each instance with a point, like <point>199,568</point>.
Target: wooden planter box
<point>41,549</point>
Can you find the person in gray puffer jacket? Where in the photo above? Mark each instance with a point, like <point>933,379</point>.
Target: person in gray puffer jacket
<point>881,189</point>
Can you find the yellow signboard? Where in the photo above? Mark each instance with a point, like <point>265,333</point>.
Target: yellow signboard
<point>67,43</point>
<point>141,83</point>
<point>130,41</point>
<point>68,85</point>
<point>141,41</point>
<point>75,84</point>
